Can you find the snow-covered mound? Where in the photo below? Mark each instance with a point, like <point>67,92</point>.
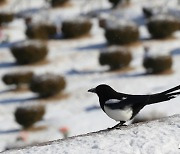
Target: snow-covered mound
<point>157,137</point>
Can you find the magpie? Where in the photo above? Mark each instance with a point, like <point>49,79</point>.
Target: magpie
<point>123,107</point>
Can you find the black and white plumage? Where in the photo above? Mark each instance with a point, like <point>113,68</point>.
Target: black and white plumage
<point>123,107</point>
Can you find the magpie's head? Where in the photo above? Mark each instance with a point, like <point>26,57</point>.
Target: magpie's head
<point>103,90</point>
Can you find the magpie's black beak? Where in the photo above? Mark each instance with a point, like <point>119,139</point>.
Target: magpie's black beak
<point>93,90</point>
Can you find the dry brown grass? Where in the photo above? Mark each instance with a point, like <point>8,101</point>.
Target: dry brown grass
<point>36,128</point>
<point>66,5</point>
<point>122,70</point>
<point>166,72</point>
<point>42,62</point>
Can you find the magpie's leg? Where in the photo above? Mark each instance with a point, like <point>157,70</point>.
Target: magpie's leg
<point>118,125</point>
<point>114,126</point>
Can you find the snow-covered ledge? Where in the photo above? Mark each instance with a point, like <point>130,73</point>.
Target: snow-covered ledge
<point>155,137</point>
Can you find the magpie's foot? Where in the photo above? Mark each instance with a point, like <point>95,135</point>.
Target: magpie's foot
<point>111,128</point>
<point>118,126</point>
<point>124,125</point>
<point>115,127</point>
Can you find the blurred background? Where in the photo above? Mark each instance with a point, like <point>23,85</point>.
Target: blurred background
<point>53,51</point>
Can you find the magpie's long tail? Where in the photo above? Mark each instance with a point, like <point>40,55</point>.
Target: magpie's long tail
<point>172,90</point>
<point>165,95</point>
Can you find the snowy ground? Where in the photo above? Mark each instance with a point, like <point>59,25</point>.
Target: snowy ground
<point>77,60</point>
<point>157,137</point>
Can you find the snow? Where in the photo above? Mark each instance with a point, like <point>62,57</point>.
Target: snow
<point>77,61</point>
<point>46,77</point>
<point>36,43</point>
<point>77,19</point>
<point>120,24</point>
<point>157,137</point>
<point>154,53</point>
<point>162,17</point>
<point>115,48</point>
<point>32,106</point>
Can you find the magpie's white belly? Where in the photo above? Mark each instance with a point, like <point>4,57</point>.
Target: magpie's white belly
<point>119,114</point>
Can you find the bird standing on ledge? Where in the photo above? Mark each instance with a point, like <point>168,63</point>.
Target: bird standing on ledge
<point>123,107</point>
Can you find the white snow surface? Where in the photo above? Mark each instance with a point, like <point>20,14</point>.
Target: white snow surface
<point>77,61</point>
<point>155,137</point>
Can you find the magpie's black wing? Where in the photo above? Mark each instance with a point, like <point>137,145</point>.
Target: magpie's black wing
<point>127,100</point>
